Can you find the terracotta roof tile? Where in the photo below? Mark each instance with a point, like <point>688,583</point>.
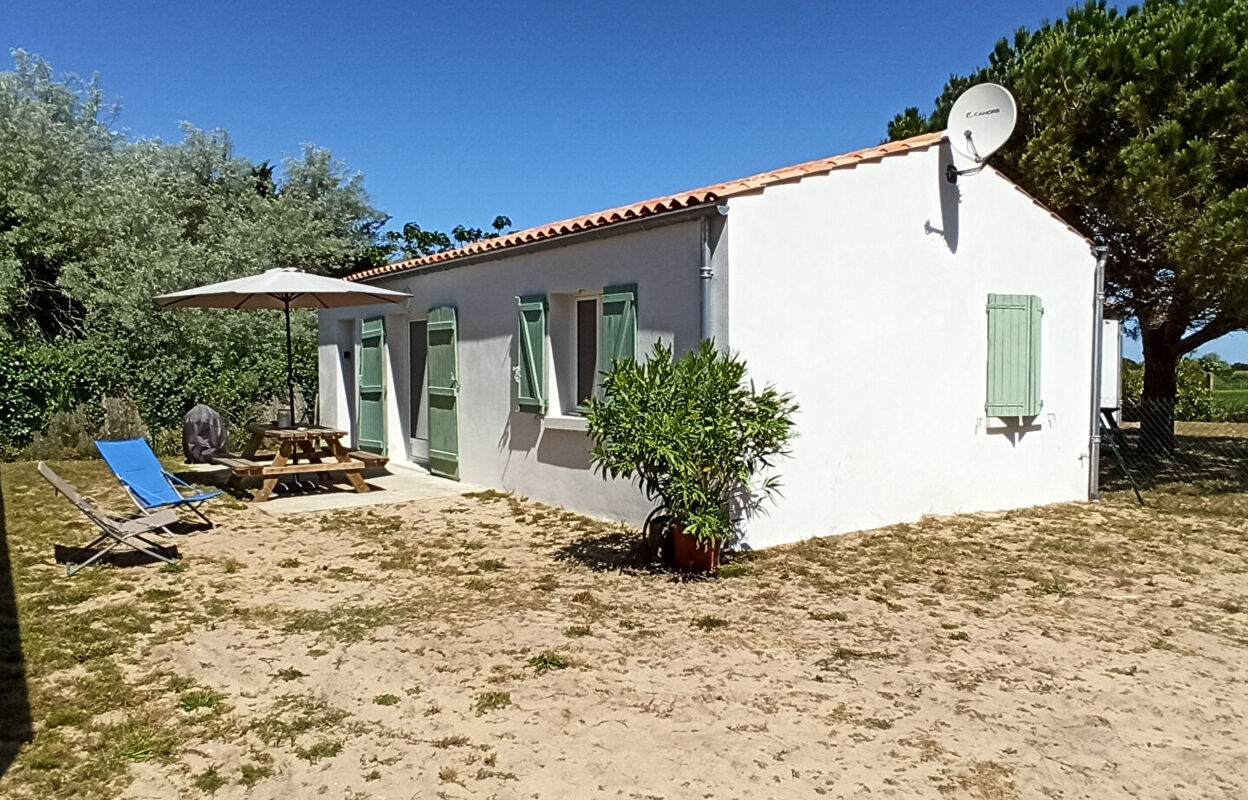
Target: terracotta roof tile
<point>658,205</point>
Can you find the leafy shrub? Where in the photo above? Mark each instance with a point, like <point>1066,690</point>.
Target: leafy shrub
<point>68,436</point>
<point>31,386</point>
<point>693,433</point>
<point>1193,402</point>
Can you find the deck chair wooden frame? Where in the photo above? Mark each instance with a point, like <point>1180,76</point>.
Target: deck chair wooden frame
<point>115,532</point>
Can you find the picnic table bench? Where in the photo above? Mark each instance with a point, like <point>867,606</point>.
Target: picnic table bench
<point>307,449</point>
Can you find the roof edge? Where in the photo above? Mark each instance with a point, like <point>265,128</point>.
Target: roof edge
<point>657,206</point>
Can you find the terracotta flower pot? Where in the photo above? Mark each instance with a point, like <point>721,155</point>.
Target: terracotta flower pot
<point>692,554</point>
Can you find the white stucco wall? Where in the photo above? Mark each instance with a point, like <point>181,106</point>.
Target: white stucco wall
<point>863,292</point>
<point>513,451</point>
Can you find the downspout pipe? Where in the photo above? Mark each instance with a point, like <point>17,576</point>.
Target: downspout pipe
<point>1098,333</point>
<point>706,273</point>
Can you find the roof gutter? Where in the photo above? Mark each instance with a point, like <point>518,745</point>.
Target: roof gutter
<point>564,240</point>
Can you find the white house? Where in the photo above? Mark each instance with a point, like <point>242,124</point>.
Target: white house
<point>938,337</point>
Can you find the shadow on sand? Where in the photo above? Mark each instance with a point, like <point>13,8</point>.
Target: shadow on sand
<point>15,723</point>
<point>1208,464</point>
<point>621,551</point>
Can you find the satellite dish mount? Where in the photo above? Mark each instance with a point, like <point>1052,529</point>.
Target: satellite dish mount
<point>980,122</point>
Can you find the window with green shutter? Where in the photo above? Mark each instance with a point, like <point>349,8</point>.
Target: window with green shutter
<point>1014,355</point>
<point>529,367</point>
<point>617,339</point>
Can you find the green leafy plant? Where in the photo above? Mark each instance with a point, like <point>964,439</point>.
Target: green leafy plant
<point>548,660</point>
<point>694,433</point>
<point>491,701</point>
<point>1193,399</point>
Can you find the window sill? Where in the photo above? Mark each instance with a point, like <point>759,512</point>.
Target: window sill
<point>565,423</point>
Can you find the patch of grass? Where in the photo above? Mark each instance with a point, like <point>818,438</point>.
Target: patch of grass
<point>345,623</point>
<point>548,660</point>
<point>828,616</point>
<point>585,598</point>
<point>294,715</point>
<point>960,636</point>
<point>65,717</point>
<point>160,595</point>
<point>288,563</point>
<point>317,653</point>
<point>708,622</point>
<point>375,775</point>
<point>546,583</point>
<point>138,742</point>
<point>447,742</point>
<point>842,655</point>
<point>251,774</point>
<point>209,781</point>
<point>577,631</point>
<point>174,568</point>
<point>478,584</point>
<point>734,569</point>
<point>448,775</point>
<point>491,701</point>
<point>386,700</point>
<point>201,698</point>
<point>369,523</point>
<point>325,748</point>
<point>491,565</point>
<point>232,565</point>
<point>289,674</point>
<point>488,495</point>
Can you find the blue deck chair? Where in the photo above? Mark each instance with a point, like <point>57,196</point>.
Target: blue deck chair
<point>146,481</point>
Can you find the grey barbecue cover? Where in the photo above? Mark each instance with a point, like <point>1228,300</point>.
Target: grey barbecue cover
<point>204,435</point>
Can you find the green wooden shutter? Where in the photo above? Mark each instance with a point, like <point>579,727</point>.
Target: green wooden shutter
<point>617,337</point>
<point>529,366</point>
<point>370,433</point>
<point>1014,355</point>
<point>443,392</point>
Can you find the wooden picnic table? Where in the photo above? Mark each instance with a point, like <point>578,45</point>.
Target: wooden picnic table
<point>306,449</point>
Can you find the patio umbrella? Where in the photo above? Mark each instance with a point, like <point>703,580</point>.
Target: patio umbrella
<point>282,288</point>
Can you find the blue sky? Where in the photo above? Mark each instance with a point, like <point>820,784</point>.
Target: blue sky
<point>456,112</point>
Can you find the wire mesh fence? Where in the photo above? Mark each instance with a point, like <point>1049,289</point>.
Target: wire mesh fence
<point>1148,444</point>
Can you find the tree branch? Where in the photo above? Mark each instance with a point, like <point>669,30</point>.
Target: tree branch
<point>1214,328</point>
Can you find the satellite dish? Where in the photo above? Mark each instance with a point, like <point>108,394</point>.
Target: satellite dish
<point>980,122</point>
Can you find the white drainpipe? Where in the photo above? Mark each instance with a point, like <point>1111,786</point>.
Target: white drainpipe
<point>1098,313</point>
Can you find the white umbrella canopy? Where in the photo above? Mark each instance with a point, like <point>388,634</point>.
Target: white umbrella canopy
<point>282,288</point>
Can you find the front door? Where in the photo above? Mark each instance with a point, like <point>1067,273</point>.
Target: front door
<point>418,399</point>
<point>371,430</point>
<point>443,393</point>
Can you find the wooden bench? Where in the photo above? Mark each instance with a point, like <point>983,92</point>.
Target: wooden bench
<point>370,459</point>
<point>240,467</point>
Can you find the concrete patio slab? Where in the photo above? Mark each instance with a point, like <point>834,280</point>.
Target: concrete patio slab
<point>400,484</point>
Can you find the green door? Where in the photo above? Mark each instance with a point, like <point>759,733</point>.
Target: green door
<point>443,389</point>
<point>371,419</point>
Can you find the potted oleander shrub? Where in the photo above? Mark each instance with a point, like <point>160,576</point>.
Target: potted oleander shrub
<point>700,440</point>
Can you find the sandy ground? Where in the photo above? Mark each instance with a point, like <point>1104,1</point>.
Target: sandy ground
<point>397,652</point>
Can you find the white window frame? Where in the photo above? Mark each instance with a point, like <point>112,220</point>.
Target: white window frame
<point>584,295</point>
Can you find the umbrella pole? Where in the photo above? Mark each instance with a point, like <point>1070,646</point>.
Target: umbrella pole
<point>290,364</point>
